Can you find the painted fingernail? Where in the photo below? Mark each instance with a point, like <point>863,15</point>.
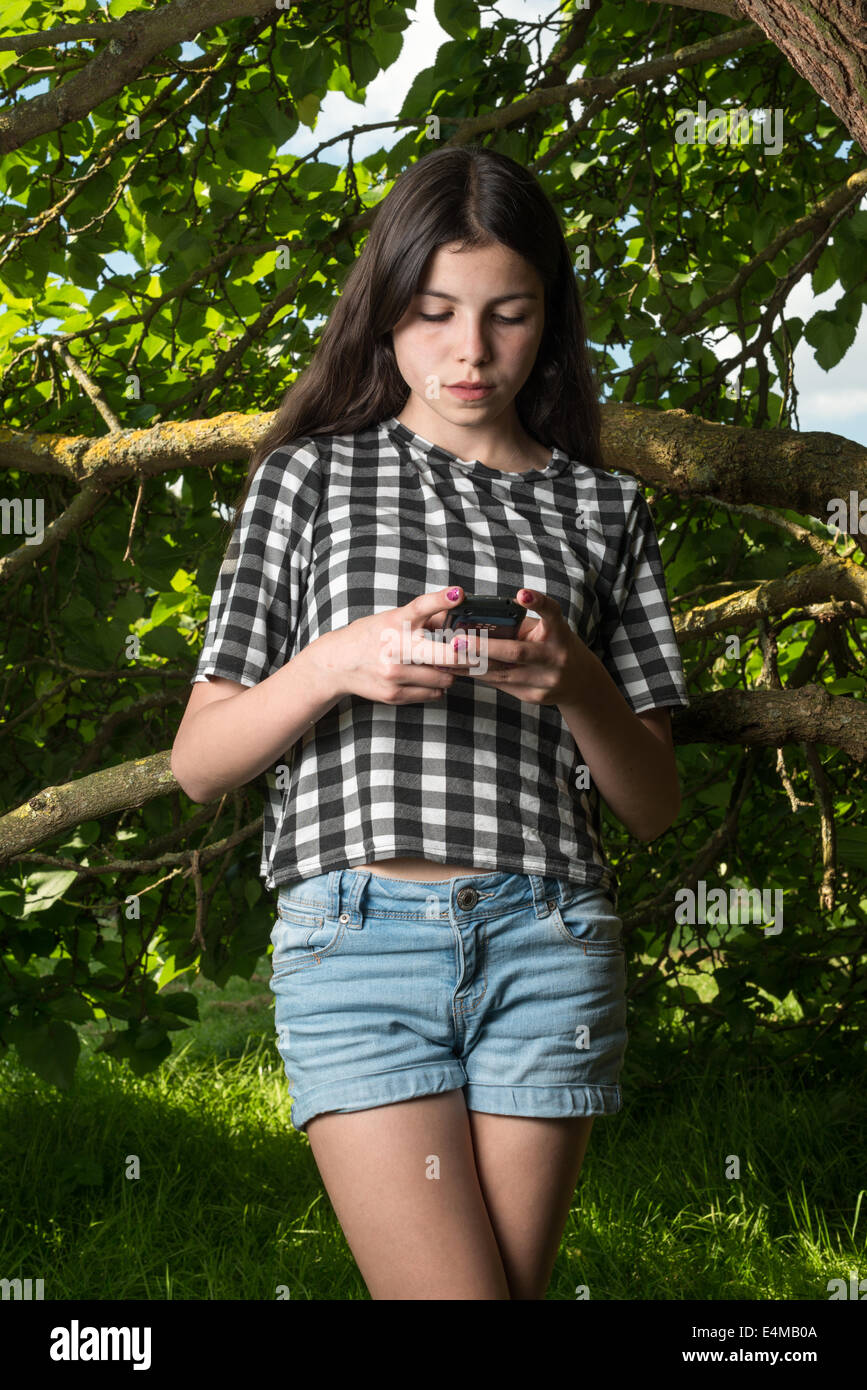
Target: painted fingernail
<point>460,644</point>
<point>452,594</point>
<point>526,596</point>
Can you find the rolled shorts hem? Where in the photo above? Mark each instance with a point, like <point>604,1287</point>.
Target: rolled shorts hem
<point>409,1083</point>
<point>543,1102</point>
<point>379,1088</point>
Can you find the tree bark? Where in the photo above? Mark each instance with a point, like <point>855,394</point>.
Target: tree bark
<point>680,451</point>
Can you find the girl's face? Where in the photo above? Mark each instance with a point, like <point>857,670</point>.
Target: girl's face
<point>478,316</point>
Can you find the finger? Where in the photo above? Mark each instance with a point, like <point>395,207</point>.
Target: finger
<point>425,672</point>
<point>548,608</point>
<point>410,693</point>
<point>426,605</point>
<point>431,650</point>
<point>505,651</point>
<point>435,622</point>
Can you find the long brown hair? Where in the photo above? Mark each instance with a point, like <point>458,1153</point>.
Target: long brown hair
<point>473,196</point>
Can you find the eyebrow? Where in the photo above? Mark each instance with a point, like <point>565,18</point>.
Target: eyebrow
<point>501,299</point>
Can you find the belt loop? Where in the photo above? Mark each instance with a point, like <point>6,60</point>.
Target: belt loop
<point>333,901</point>
<point>540,894</point>
<point>352,899</point>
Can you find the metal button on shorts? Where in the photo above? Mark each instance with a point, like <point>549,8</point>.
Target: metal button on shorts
<point>467,897</point>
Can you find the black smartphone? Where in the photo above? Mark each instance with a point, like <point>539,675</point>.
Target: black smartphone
<point>499,617</point>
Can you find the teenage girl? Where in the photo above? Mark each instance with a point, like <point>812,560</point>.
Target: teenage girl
<point>448,966</point>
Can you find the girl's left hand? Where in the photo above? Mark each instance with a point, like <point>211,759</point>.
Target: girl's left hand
<point>542,664</point>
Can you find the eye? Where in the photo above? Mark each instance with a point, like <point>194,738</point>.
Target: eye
<point>440,318</point>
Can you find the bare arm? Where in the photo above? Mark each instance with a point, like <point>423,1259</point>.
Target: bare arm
<point>232,732</point>
<point>631,756</point>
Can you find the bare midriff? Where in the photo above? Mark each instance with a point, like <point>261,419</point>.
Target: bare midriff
<point>418,870</point>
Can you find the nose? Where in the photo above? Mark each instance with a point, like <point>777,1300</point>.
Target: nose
<point>473,347</point>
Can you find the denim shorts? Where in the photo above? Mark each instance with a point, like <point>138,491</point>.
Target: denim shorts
<point>511,986</point>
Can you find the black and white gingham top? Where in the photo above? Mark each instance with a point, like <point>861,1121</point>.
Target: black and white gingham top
<point>338,527</point>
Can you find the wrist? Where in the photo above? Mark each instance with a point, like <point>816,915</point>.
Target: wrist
<point>581,676</point>
<point>324,669</point>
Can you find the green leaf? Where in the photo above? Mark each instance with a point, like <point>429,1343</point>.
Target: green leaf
<point>308,109</point>
<point>50,1050</point>
<point>317,177</point>
<point>387,46</point>
<point>165,641</point>
<point>852,845</point>
<point>831,336</point>
<point>459,18</point>
<point>181,1002</point>
<point>826,272</point>
<point>71,1007</point>
<point>45,886</point>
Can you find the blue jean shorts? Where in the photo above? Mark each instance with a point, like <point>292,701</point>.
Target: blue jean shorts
<point>511,986</point>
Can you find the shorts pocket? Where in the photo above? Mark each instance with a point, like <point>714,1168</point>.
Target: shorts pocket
<point>302,936</point>
<point>588,920</point>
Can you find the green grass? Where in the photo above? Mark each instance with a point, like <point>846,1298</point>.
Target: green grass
<point>230,1205</point>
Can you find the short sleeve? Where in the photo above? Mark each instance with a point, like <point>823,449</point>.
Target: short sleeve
<point>256,602</point>
<point>637,642</point>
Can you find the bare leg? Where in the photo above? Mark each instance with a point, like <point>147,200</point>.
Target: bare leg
<point>528,1168</point>
<point>413,1236</point>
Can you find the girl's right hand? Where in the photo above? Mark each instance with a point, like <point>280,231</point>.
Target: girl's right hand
<point>366,657</point>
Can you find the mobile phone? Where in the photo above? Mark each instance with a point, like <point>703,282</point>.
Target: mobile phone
<point>499,617</point>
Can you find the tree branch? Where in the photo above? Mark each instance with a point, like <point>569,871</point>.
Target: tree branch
<point>683,453</point>
<point>134,41</point>
<point>834,577</point>
<point>771,718</point>
<point>727,7</point>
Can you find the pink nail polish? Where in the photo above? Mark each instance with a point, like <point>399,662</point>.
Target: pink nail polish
<point>526,596</point>
<point>452,594</point>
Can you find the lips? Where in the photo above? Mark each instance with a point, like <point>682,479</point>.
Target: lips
<point>469,393</point>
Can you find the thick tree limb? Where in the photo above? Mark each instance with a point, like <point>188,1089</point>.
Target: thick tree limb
<point>54,809</point>
<point>767,718</point>
<point>182,444</point>
<point>683,453</point>
<point>772,718</point>
<point>135,40</point>
<point>833,577</point>
<point>690,456</point>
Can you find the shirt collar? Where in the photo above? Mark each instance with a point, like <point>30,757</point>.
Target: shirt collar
<point>435,455</point>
